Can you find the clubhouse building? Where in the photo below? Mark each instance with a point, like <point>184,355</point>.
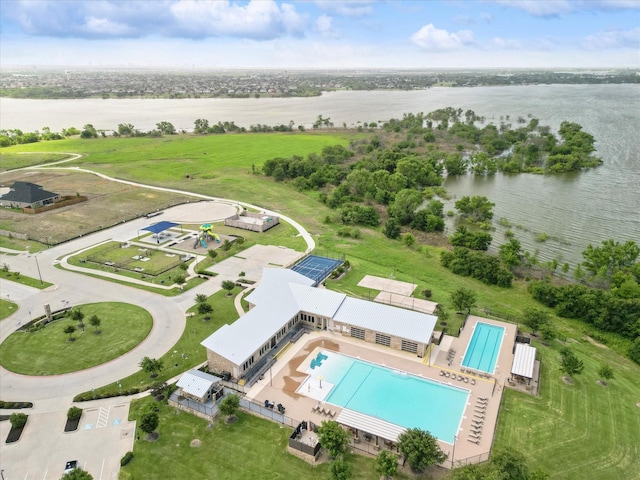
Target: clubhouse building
<point>286,304</point>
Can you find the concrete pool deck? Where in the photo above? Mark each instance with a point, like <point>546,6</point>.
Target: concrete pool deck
<point>289,384</point>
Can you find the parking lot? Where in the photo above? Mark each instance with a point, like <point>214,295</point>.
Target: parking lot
<point>103,437</point>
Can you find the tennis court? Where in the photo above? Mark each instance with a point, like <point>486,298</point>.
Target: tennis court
<point>316,268</point>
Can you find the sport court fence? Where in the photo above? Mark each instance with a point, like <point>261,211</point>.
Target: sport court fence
<point>316,269</point>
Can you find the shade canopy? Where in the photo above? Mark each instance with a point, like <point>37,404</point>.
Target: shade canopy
<point>160,227</point>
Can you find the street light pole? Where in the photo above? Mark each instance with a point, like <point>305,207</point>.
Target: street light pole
<point>38,266</point>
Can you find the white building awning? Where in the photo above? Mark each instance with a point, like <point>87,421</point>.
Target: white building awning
<point>524,360</point>
<point>372,425</point>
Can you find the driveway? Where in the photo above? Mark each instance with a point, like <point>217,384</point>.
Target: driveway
<point>105,433</point>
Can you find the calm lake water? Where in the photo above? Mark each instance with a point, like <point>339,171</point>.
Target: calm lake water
<point>574,209</point>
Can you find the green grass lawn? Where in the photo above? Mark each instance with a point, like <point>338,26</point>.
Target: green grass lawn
<point>571,431</point>
<point>250,449</point>
<point>196,330</point>
<point>47,351</point>
<point>10,161</point>
<point>23,279</point>
<point>7,308</point>
<point>582,430</point>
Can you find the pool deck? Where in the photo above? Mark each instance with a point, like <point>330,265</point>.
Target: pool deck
<point>286,383</point>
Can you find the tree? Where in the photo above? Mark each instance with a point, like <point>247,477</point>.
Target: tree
<point>212,254</point>
<point>77,474</point>
<point>149,421</point>
<point>152,366</point>
<point>18,420</point>
<point>478,208</point>
<point>634,351</point>
<point>78,316</point>
<point>333,438</point>
<point>610,258</point>
<point>204,308</point>
<point>166,128</point>
<point>392,228</point>
<point>535,318</point>
<point>229,405</point>
<point>442,314</point>
<point>405,204</point>
<point>420,449</point>
<point>95,322</point>
<point>126,129</point>
<point>570,364</point>
<point>89,132</point>
<point>511,252</point>
<point>340,470</point>
<point>201,125</point>
<point>386,464</point>
<point>509,464</point>
<point>463,299</point>
<point>69,329</point>
<point>605,372</point>
<point>201,298</point>
<point>228,285</point>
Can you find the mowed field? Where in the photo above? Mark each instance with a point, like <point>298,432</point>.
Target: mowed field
<point>574,431</point>
<point>216,165</point>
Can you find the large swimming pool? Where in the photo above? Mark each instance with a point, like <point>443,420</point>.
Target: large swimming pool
<point>484,347</point>
<point>396,397</point>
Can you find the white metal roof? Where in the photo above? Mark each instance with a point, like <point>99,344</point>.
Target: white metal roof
<point>386,319</point>
<point>317,300</point>
<point>283,293</point>
<point>197,383</point>
<point>524,360</point>
<point>238,341</point>
<point>372,425</point>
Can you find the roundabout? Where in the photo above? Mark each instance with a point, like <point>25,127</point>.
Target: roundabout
<point>50,350</point>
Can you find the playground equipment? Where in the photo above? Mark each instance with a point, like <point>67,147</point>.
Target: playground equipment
<point>206,234</point>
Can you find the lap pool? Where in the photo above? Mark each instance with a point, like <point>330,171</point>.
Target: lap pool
<point>393,396</point>
<point>484,347</point>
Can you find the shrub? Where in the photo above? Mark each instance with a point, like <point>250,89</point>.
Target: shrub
<point>18,420</point>
<point>74,413</point>
<point>126,459</point>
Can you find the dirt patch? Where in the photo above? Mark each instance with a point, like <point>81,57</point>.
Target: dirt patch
<point>152,437</point>
<point>108,204</point>
<point>602,383</point>
<point>638,404</point>
<point>593,342</point>
<point>195,443</point>
<point>231,420</point>
<point>567,380</point>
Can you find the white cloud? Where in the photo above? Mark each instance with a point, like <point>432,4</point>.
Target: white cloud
<point>463,19</point>
<point>324,26</point>
<point>347,8</point>
<point>105,27</point>
<point>549,8</point>
<point>613,39</point>
<point>257,19</point>
<point>507,43</point>
<point>437,40</point>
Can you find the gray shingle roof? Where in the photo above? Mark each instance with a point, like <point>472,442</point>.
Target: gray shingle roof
<point>27,192</point>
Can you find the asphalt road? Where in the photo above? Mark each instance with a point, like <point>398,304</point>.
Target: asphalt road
<point>97,449</point>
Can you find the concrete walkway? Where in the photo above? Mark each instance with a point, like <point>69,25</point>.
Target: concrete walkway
<point>53,395</point>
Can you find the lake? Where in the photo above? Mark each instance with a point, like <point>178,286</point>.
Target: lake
<point>573,210</point>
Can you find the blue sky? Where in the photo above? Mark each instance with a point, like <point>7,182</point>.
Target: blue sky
<point>322,33</point>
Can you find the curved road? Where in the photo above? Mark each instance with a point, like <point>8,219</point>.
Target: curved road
<point>53,393</point>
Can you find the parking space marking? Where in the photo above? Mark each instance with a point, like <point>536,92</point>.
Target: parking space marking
<point>103,417</point>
